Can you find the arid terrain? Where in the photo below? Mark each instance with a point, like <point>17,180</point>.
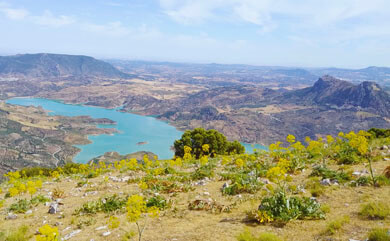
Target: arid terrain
<point>31,137</point>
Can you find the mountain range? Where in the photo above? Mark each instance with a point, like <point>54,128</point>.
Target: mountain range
<point>247,103</point>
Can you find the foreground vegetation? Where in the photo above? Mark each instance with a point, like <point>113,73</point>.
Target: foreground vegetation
<point>330,188</point>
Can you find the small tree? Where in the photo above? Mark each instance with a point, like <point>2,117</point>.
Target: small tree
<point>206,142</point>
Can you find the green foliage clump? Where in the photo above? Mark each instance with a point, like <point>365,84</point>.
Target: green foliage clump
<point>336,225</point>
<point>106,205</point>
<point>198,137</point>
<point>158,201</point>
<point>315,187</point>
<point>21,206</point>
<point>281,208</point>
<point>379,234</point>
<point>242,183</point>
<point>375,210</point>
<point>324,172</point>
<point>39,199</point>
<point>246,235</point>
<point>203,172</point>
<point>379,133</point>
<point>19,234</point>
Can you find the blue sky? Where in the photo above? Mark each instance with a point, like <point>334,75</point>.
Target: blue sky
<point>312,33</point>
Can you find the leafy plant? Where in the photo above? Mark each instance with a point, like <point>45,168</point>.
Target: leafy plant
<point>106,204</point>
<point>326,173</point>
<point>19,234</point>
<point>281,208</point>
<point>334,226</point>
<point>379,234</point>
<point>242,183</point>
<point>246,235</point>
<point>21,206</point>
<point>158,201</point>
<point>203,172</point>
<point>39,199</point>
<point>375,210</point>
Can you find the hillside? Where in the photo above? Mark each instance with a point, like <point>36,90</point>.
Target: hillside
<point>30,137</point>
<point>323,189</point>
<point>331,91</point>
<point>56,65</point>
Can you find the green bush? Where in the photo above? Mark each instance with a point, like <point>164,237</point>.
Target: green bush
<point>106,205</point>
<point>283,209</point>
<point>19,234</point>
<point>325,172</point>
<point>315,187</point>
<point>334,226</point>
<point>203,172</point>
<point>158,201</point>
<point>39,199</point>
<point>246,235</point>
<point>379,234</point>
<point>21,206</point>
<point>375,210</point>
<point>217,142</point>
<point>242,183</point>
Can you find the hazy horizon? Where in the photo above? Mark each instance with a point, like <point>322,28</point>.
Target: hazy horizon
<point>342,34</point>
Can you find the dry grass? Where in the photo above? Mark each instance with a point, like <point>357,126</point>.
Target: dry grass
<point>182,224</point>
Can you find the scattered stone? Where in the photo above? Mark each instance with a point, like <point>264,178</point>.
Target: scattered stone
<point>101,228</point>
<point>386,159</point>
<point>385,147</point>
<point>66,229</point>
<point>356,174</point>
<point>326,182</point>
<point>71,234</point>
<point>105,234</point>
<point>206,193</point>
<point>11,216</point>
<point>353,239</point>
<point>225,185</point>
<point>29,211</point>
<point>54,208</point>
<point>91,193</point>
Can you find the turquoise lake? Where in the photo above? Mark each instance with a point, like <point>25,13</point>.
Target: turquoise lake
<point>132,129</point>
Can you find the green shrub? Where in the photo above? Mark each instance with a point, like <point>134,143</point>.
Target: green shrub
<point>106,205</point>
<point>283,209</point>
<point>242,183</point>
<point>325,172</point>
<point>196,138</point>
<point>246,235</point>
<point>203,172</point>
<point>382,180</point>
<point>375,210</point>
<point>39,199</point>
<point>379,234</point>
<point>315,187</point>
<point>362,181</point>
<point>21,206</point>
<point>158,201</point>
<point>334,226</point>
<point>19,234</point>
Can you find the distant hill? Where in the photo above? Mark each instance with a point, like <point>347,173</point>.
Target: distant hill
<point>56,65</point>
<point>332,91</point>
<point>380,75</point>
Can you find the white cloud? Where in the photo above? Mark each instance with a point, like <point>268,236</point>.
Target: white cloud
<point>111,29</point>
<point>13,13</point>
<point>268,14</point>
<point>51,20</point>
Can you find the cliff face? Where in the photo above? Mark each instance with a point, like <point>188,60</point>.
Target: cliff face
<point>330,91</point>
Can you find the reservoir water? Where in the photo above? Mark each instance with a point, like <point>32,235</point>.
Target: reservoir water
<point>132,128</point>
